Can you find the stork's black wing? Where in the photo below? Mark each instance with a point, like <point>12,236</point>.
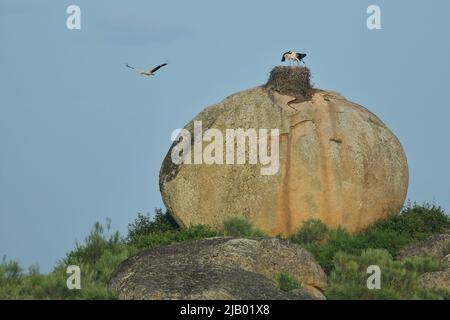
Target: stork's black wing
<point>158,67</point>
<point>300,56</point>
<point>283,57</point>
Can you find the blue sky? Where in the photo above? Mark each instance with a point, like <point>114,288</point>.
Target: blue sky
<point>82,138</point>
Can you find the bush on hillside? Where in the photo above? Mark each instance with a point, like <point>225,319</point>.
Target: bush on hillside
<point>152,240</point>
<point>240,227</point>
<point>98,256</point>
<point>145,225</point>
<point>413,223</point>
<point>348,279</point>
<point>343,256</point>
<point>312,231</point>
<point>286,282</point>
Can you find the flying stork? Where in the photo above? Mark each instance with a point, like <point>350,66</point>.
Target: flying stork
<point>293,56</point>
<point>150,72</point>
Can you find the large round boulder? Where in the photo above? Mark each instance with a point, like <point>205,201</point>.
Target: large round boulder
<point>338,162</point>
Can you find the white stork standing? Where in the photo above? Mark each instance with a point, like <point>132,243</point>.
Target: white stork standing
<point>150,72</point>
<point>293,56</point>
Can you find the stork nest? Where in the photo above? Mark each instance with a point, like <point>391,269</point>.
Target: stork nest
<point>291,81</point>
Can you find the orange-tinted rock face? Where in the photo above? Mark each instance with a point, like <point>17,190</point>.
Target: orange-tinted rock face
<point>338,163</point>
<point>341,165</point>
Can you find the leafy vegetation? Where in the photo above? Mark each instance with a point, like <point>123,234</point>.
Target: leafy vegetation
<point>343,256</point>
<point>286,282</point>
<point>151,240</point>
<point>348,277</point>
<point>239,227</point>
<point>97,258</point>
<point>413,223</point>
<point>144,225</point>
<point>146,232</point>
<point>313,231</point>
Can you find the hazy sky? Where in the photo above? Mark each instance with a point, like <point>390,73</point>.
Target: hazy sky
<point>82,137</point>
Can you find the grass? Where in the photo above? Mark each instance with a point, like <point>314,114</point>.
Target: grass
<point>343,256</point>
<point>286,282</point>
<point>97,256</point>
<point>239,227</point>
<point>398,279</point>
<point>413,223</point>
<point>312,231</point>
<point>152,240</point>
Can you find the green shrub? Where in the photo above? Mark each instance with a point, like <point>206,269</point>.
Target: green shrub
<point>169,237</point>
<point>423,264</point>
<point>95,244</point>
<point>312,231</point>
<point>344,256</point>
<point>240,227</point>
<point>337,240</point>
<point>10,269</point>
<point>413,223</point>
<point>98,256</point>
<point>144,225</point>
<point>286,282</point>
<point>348,279</point>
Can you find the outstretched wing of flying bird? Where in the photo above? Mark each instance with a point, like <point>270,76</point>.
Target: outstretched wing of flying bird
<point>131,67</point>
<point>158,67</point>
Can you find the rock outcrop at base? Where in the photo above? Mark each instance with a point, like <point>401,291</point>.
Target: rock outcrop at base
<point>219,268</point>
<point>436,246</point>
<point>438,280</point>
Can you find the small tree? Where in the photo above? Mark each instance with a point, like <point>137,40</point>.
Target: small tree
<point>144,225</point>
<point>239,227</point>
<point>312,231</point>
